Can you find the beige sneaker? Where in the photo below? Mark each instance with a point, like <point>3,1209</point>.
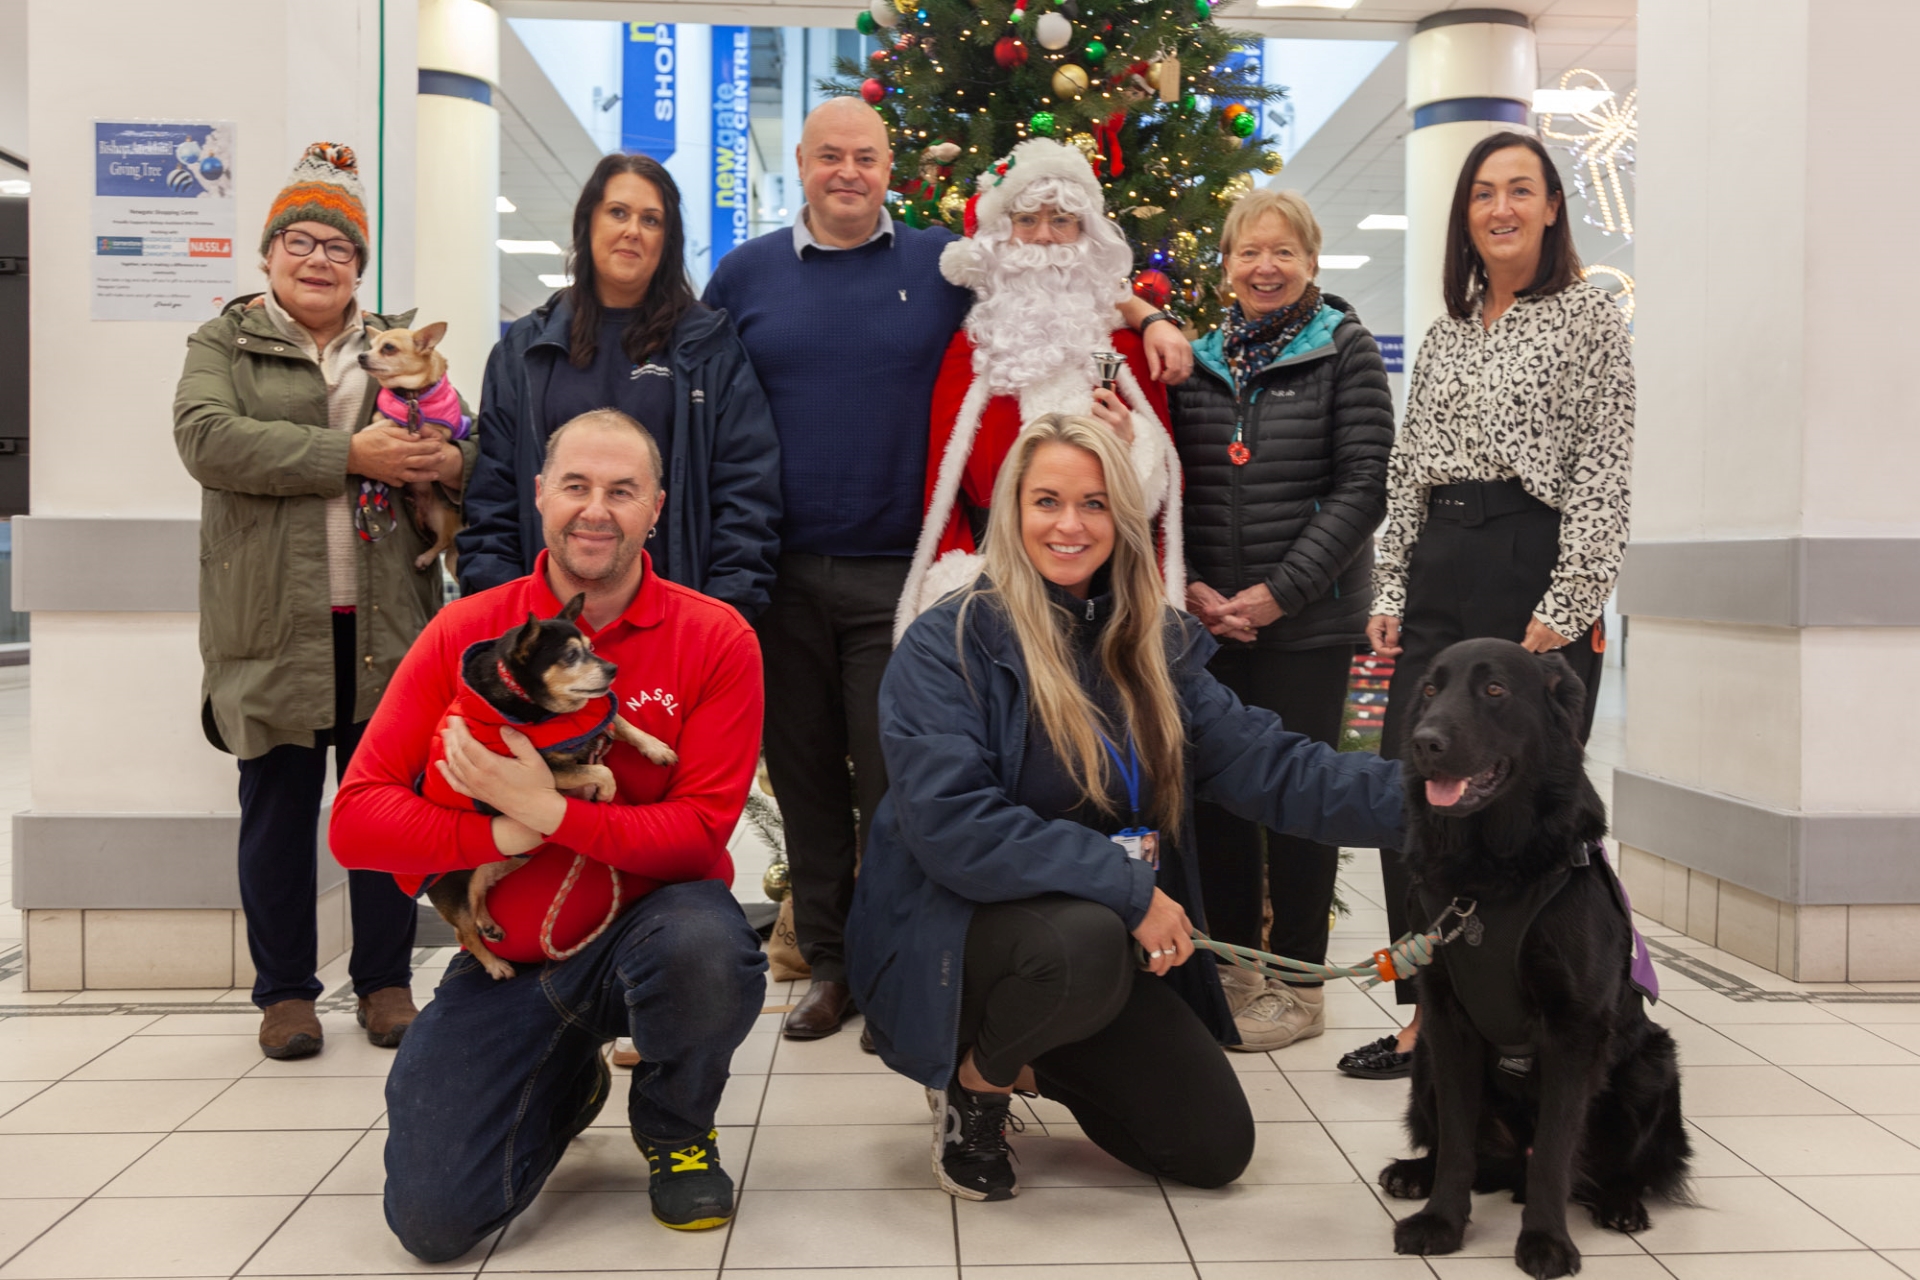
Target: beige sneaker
<point>1270,1014</point>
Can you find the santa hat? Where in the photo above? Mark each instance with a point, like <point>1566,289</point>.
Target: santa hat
<point>964,262</point>
<point>324,188</point>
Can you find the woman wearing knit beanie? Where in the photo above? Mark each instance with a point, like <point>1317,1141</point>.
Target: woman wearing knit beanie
<point>304,611</point>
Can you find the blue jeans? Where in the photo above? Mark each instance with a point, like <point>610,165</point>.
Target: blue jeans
<point>491,1081</point>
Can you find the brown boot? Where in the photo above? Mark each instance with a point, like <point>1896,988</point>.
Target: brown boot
<point>290,1029</point>
<point>386,1014</point>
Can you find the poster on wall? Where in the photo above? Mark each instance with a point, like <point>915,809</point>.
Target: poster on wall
<point>732,56</point>
<point>163,220</point>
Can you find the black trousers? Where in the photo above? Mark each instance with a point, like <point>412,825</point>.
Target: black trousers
<point>1307,689</point>
<point>824,643</point>
<point>1467,582</point>
<point>1051,982</point>
<point>280,796</point>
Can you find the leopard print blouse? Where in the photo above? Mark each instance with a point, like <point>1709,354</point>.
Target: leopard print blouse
<point>1544,396</point>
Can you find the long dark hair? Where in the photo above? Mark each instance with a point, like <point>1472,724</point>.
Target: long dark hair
<point>1466,274</point>
<point>668,296</point>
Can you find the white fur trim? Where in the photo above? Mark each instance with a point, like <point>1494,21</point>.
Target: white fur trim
<point>965,263</point>
<point>1032,160</point>
<point>946,493</point>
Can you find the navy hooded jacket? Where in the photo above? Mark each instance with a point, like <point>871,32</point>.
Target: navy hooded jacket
<point>723,496</point>
<point>948,835</point>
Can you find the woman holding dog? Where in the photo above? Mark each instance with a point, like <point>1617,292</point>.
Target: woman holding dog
<point>1283,433</point>
<point>305,610</point>
<point>629,334</point>
<point>1507,496</point>
<point>1047,732</point>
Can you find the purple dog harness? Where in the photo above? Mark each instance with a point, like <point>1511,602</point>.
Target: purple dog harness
<point>440,405</point>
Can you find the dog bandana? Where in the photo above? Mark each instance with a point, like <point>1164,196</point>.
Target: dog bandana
<point>439,404</point>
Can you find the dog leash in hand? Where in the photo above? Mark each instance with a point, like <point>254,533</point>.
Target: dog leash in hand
<point>1409,954</point>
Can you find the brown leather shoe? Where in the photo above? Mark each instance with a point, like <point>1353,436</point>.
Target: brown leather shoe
<point>866,1039</point>
<point>386,1014</point>
<point>290,1029</point>
<point>820,1014</point>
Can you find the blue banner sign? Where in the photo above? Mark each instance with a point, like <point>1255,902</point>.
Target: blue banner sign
<point>1393,351</point>
<point>732,49</point>
<point>651,71</point>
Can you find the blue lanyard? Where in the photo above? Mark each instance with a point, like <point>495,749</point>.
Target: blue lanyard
<point>1129,770</point>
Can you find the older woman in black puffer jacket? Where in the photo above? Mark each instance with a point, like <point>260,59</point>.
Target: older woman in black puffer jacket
<point>1284,432</point>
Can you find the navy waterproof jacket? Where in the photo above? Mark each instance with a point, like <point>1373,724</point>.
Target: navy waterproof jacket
<point>723,497</point>
<point>948,835</point>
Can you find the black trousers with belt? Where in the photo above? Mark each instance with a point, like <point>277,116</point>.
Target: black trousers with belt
<point>1483,560</point>
<point>1307,689</point>
<point>824,643</point>
<point>1051,982</point>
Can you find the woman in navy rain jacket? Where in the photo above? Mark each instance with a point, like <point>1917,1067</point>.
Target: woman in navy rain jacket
<point>1012,868</point>
<point>628,334</point>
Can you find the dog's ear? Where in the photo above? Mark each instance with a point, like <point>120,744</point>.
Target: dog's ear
<point>1566,692</point>
<point>425,340</point>
<point>526,638</point>
<point>573,608</point>
<point>373,330</point>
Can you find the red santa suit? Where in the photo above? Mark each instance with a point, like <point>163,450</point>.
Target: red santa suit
<point>971,434</point>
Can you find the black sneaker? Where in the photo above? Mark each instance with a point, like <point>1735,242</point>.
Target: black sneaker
<point>689,1190</point>
<point>1378,1060</point>
<point>970,1153</point>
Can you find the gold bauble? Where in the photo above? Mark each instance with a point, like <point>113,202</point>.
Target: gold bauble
<point>1235,187</point>
<point>1088,147</point>
<point>775,883</point>
<point>906,6</point>
<point>953,205</point>
<point>1186,246</point>
<point>1071,80</point>
<point>1272,163</point>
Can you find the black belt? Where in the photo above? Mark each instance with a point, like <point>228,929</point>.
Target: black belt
<point>1480,501</point>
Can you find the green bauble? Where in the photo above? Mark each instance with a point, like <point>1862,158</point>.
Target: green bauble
<point>863,23</point>
<point>1041,125</point>
<point>1095,51</point>
<point>1189,103</point>
<point>1244,124</point>
<point>1202,10</point>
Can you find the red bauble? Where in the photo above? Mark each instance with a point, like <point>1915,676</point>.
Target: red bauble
<point>1009,52</point>
<point>872,91</point>
<point>1153,288</point>
<point>878,56</point>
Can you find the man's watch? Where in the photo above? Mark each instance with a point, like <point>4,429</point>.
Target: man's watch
<point>1158,315</point>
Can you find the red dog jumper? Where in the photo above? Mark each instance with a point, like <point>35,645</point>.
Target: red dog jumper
<point>689,675</point>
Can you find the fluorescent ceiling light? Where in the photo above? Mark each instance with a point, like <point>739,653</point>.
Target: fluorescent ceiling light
<point>503,205</point>
<point>556,282</point>
<point>1343,261</point>
<point>1547,101</point>
<point>16,187</point>
<point>1306,4</point>
<point>529,246</point>
<point>1384,222</point>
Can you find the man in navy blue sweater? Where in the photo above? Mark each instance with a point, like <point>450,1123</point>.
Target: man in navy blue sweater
<point>845,317</point>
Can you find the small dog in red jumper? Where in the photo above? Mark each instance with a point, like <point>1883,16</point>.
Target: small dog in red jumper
<point>544,680</point>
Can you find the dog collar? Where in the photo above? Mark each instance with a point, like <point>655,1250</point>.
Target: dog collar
<point>513,686</point>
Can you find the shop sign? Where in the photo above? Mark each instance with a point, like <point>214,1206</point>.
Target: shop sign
<point>732,50</point>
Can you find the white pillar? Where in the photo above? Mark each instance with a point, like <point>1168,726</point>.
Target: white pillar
<point>456,267</point>
<point>1768,803</point>
<point>1470,72</point>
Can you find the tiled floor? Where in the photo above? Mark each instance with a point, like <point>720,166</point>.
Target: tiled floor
<point>154,1141</point>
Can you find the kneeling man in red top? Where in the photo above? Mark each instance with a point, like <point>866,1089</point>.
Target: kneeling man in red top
<point>497,1077</point>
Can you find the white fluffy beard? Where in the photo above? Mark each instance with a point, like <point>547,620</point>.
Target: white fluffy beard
<point>1043,311</point>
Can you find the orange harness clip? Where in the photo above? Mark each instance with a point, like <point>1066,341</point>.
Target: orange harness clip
<point>1383,964</point>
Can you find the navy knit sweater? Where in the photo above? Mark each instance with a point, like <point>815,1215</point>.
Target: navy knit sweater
<point>846,344</point>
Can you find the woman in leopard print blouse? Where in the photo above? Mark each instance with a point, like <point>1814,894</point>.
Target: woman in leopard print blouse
<point>1507,490</point>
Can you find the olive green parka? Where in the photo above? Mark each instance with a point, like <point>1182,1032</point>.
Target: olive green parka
<point>250,421</point>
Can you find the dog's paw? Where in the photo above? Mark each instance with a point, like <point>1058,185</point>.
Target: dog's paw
<point>1408,1179</point>
<point>493,932</point>
<point>1428,1233</point>
<point>421,563</point>
<point>1621,1212</point>
<point>1544,1256</point>
<point>497,969</point>
<point>663,755</point>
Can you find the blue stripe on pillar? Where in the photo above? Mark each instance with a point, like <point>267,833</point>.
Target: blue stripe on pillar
<point>451,84</point>
<point>1454,110</point>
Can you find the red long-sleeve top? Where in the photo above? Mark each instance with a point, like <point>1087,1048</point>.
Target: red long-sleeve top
<point>689,674</point>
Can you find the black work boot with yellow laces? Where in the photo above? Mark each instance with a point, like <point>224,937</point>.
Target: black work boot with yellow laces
<point>689,1190</point>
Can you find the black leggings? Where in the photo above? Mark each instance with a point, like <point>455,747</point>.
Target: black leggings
<point>1051,982</point>
<point>1467,582</point>
<point>1307,689</point>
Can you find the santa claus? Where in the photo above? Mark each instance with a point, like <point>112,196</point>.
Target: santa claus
<point>1048,269</point>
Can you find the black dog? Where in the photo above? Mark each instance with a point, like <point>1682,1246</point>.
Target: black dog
<point>1536,1070</point>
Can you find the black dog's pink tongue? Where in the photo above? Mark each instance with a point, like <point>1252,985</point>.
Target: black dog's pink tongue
<point>1444,792</point>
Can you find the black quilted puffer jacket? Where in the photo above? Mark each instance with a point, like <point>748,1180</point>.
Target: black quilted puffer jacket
<point>1300,514</point>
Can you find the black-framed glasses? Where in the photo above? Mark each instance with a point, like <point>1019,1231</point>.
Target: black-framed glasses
<point>301,245</point>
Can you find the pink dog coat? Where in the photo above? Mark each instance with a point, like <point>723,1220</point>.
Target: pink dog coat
<point>439,404</point>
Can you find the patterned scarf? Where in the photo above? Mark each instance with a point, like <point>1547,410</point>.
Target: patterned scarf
<point>1252,345</point>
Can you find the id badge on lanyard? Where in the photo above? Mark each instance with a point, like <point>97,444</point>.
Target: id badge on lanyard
<point>1135,840</point>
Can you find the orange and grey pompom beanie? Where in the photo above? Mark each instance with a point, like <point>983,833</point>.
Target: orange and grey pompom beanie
<point>325,187</point>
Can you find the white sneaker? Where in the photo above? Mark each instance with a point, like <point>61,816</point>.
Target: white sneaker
<point>1270,1014</point>
<point>624,1054</point>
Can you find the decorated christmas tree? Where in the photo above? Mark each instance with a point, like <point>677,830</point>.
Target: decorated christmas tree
<point>1158,96</point>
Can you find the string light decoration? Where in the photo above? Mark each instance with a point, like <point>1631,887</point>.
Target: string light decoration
<point>1142,87</point>
<point>1603,155</point>
<point>1622,296</point>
